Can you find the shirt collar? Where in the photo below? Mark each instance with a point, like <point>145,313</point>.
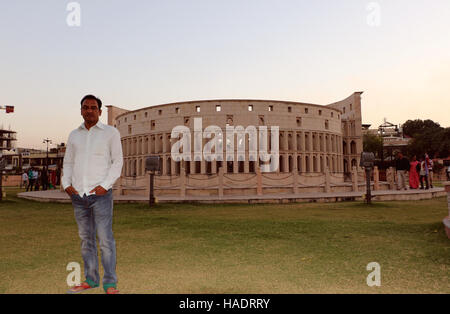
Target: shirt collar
<point>99,125</point>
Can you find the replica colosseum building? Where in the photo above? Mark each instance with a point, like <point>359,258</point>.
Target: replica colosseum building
<point>319,147</point>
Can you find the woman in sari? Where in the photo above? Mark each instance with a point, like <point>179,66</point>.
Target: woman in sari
<point>413,173</point>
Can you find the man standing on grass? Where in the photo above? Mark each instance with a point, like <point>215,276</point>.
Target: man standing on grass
<point>402,166</point>
<point>24,180</point>
<point>92,163</point>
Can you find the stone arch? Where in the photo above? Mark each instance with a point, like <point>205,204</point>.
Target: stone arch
<point>346,169</point>
<point>353,147</point>
<point>169,166</point>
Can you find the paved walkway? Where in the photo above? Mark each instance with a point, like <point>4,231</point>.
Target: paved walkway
<point>385,195</point>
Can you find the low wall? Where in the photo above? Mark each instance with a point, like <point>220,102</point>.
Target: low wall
<point>11,180</point>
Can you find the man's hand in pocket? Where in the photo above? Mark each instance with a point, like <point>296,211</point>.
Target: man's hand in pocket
<point>99,190</point>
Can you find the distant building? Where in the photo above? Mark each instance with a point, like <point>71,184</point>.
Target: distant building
<point>393,138</point>
<point>7,139</point>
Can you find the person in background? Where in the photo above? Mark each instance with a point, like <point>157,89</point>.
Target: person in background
<point>53,179</point>
<point>36,180</point>
<point>44,180</point>
<point>430,169</point>
<point>448,173</point>
<point>30,180</point>
<point>423,173</point>
<point>413,173</point>
<point>24,182</point>
<point>402,166</point>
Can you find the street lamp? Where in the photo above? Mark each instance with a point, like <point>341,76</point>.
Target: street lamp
<point>46,165</point>
<point>46,160</point>
<point>367,162</point>
<point>152,165</point>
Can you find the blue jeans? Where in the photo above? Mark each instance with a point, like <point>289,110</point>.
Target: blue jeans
<point>94,215</point>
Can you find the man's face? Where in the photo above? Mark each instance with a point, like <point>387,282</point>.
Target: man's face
<point>90,111</point>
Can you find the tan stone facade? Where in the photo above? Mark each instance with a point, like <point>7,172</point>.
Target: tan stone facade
<point>318,147</point>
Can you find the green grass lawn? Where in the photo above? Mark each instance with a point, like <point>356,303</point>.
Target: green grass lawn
<point>267,248</point>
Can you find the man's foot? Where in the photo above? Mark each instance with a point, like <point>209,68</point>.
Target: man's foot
<point>112,290</point>
<point>79,288</point>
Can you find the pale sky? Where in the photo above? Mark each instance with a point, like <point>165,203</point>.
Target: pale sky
<point>140,53</point>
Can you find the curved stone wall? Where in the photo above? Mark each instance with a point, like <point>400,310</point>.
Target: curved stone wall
<point>314,142</point>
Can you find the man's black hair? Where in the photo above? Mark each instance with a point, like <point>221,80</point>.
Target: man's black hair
<point>99,102</point>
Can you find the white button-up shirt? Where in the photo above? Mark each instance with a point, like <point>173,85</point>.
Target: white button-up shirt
<point>93,157</point>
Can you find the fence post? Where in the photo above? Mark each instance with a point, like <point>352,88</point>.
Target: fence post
<point>259,181</point>
<point>327,180</point>
<point>391,178</point>
<point>376,179</point>
<point>182,180</point>
<point>355,179</point>
<point>220,181</point>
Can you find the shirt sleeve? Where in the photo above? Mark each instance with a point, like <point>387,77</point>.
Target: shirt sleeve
<point>68,162</point>
<point>116,161</point>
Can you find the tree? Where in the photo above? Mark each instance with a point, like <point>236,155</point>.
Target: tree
<point>413,128</point>
<point>427,137</point>
<point>374,144</point>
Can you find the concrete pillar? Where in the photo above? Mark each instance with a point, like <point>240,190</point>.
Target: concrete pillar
<point>151,144</point>
<point>259,189</point>
<point>147,183</point>
<point>235,166</point>
<point>246,163</point>
<point>303,161</point>
<point>295,165</point>
<point>203,166</point>
<point>302,141</point>
<point>355,179</point>
<point>294,141</point>
<point>164,143</point>
<point>220,182</point>
<point>295,180</point>
<point>192,163</point>
<point>285,141</point>
<point>164,165</point>
<point>286,162</point>
<point>172,167</point>
<point>214,166</point>
<point>376,179</point>
<point>182,180</point>
<point>327,180</point>
<point>390,177</point>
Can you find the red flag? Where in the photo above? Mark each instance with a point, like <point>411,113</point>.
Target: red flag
<point>9,109</point>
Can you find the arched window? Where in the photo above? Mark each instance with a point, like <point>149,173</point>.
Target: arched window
<point>353,147</point>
